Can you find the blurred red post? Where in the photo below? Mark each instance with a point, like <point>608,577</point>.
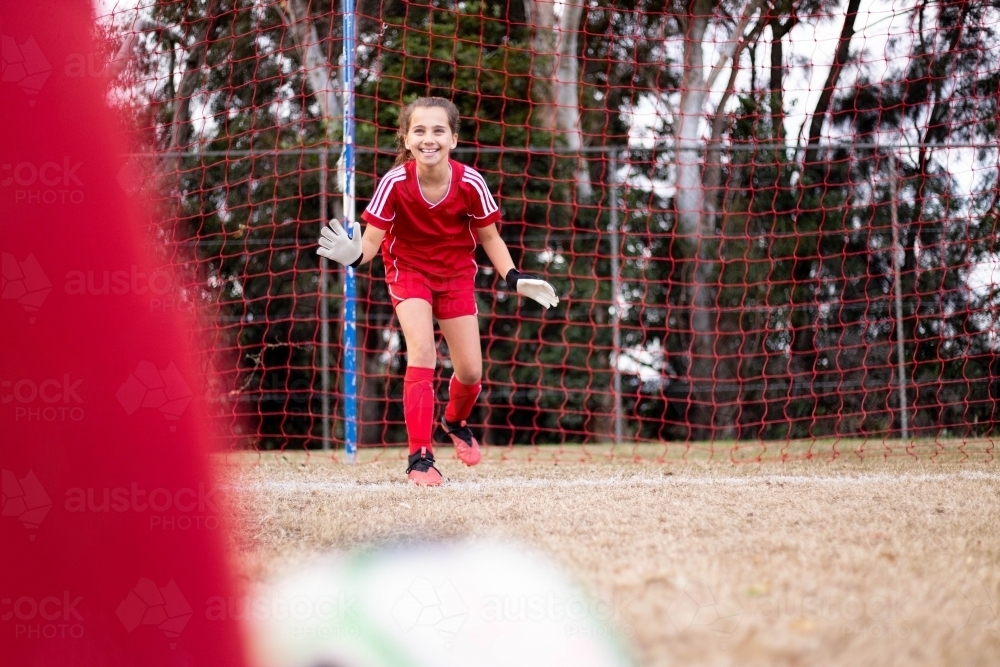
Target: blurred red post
<point>112,522</point>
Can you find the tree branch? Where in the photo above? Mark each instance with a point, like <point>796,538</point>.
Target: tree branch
<point>323,77</point>
<point>825,98</point>
<point>736,44</point>
<point>731,86</point>
<point>713,163</point>
<point>180,131</point>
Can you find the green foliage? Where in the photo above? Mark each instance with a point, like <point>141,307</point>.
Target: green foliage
<point>800,258</point>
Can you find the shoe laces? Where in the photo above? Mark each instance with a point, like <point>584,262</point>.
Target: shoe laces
<point>421,461</point>
<point>460,430</point>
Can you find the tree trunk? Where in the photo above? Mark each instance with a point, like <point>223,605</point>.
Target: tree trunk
<point>826,97</point>
<point>541,19</point>
<point>712,175</point>
<point>567,92</point>
<point>807,263</point>
<point>692,230</point>
<point>180,125</point>
<point>725,397</point>
<point>555,79</point>
<point>324,78</point>
<point>776,97</point>
<point>930,232</point>
<point>689,197</point>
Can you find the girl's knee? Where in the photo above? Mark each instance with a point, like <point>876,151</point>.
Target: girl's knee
<point>422,355</point>
<point>469,376</point>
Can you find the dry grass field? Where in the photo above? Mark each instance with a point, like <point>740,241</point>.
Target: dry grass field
<point>833,560</point>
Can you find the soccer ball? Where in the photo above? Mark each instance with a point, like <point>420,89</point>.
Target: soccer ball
<point>470,603</point>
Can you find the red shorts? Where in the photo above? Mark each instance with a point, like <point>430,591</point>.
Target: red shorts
<point>449,297</point>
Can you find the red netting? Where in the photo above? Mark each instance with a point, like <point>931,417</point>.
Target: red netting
<point>773,226</point>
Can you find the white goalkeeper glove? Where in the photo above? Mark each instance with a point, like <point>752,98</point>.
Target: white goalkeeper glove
<point>335,244</point>
<point>532,287</point>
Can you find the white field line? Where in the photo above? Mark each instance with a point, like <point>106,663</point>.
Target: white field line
<point>614,481</point>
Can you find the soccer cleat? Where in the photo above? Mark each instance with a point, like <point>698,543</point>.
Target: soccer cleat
<point>466,446</point>
<point>421,470</point>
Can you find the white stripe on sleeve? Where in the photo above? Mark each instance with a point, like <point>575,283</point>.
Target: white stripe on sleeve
<point>476,177</point>
<point>486,200</point>
<point>377,205</point>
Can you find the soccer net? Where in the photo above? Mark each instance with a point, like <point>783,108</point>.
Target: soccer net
<point>767,222</point>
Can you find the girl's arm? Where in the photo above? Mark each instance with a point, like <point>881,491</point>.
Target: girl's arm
<point>371,241</point>
<point>495,249</point>
<point>523,283</point>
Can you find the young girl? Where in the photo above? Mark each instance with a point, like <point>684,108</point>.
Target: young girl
<point>426,214</point>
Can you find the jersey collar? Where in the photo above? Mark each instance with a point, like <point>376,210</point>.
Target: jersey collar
<point>453,167</point>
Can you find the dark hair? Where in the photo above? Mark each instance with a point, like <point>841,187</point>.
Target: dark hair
<point>407,112</point>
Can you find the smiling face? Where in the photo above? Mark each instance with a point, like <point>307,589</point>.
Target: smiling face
<point>429,138</point>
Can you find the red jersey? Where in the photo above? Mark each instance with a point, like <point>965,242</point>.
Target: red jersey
<point>434,239</point>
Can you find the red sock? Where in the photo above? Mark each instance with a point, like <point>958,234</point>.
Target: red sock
<point>418,406</point>
<point>461,399</point>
